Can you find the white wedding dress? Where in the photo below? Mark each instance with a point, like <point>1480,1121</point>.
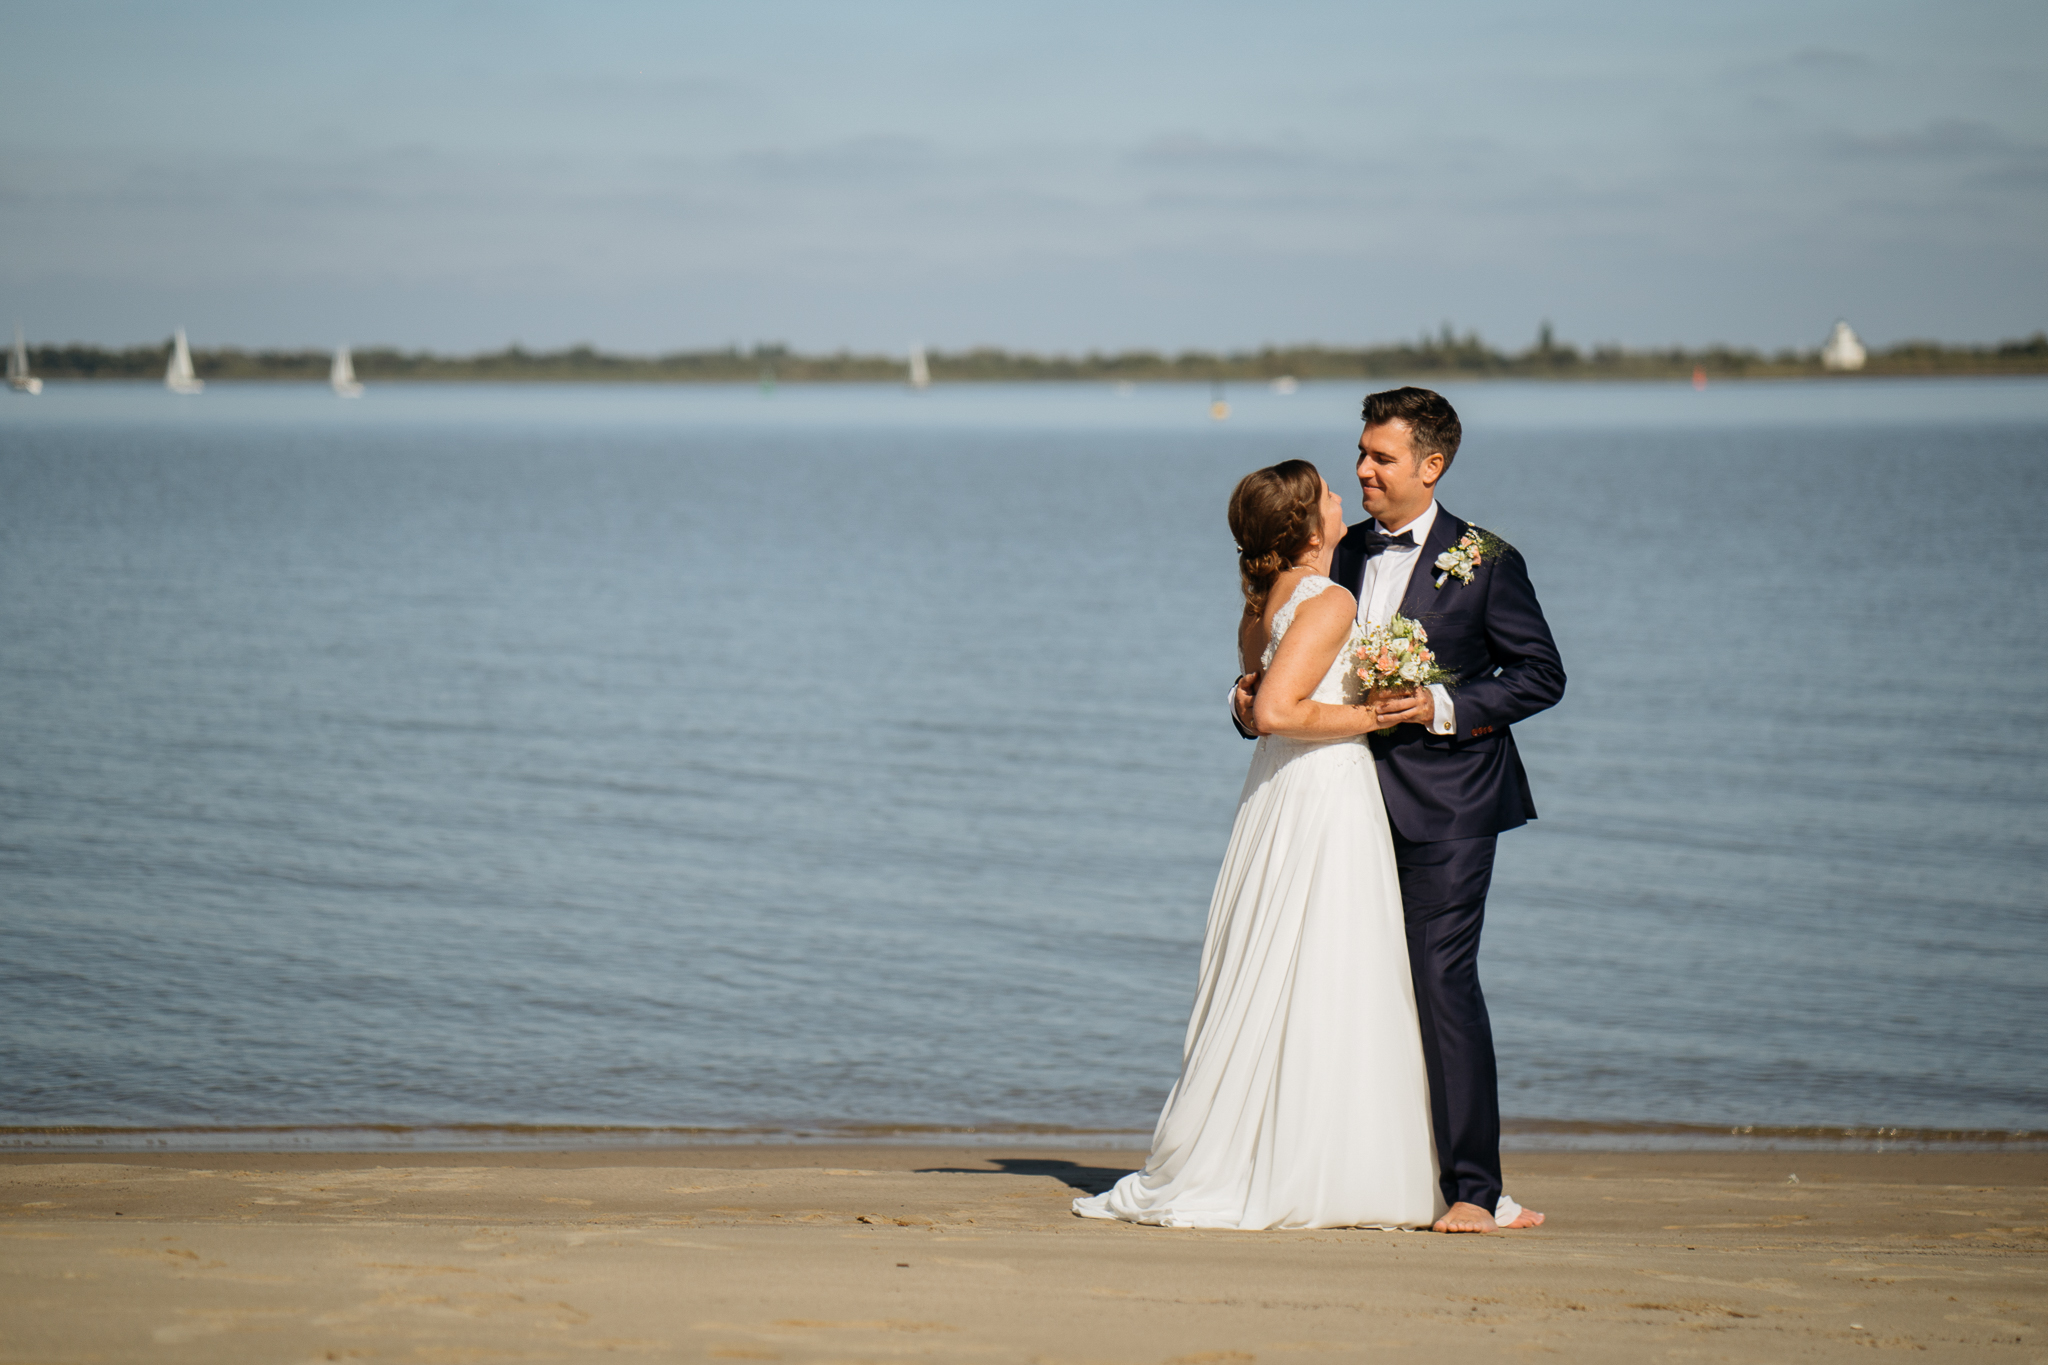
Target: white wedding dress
<point>1302,1100</point>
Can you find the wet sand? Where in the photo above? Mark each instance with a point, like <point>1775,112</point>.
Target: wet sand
<point>894,1253</point>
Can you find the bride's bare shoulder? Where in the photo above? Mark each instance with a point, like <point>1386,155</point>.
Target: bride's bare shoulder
<point>1316,611</point>
<point>1334,602</point>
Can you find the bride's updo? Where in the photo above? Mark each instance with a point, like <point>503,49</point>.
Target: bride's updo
<point>1275,514</point>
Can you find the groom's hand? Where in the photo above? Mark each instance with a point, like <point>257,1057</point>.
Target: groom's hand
<point>1408,708</point>
<point>1241,700</point>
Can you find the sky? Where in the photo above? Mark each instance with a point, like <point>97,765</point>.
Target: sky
<point>1049,176</point>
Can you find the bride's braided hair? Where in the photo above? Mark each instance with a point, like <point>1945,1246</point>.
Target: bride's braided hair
<point>1274,516</point>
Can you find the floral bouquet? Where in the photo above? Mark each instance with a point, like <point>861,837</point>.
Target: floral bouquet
<point>1394,656</point>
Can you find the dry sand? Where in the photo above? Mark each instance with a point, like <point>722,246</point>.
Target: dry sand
<point>888,1253</point>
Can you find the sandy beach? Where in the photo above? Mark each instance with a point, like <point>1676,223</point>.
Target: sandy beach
<point>877,1253</point>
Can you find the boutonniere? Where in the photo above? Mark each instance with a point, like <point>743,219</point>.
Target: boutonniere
<point>1462,560</point>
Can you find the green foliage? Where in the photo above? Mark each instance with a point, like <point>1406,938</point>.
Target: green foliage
<point>1445,355</point>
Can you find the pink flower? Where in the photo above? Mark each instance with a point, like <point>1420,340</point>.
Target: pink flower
<point>1385,663</point>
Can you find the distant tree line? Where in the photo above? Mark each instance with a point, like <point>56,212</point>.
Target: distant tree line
<point>1445,355</point>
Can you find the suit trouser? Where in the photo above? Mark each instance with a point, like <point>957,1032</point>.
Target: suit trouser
<point>1443,899</point>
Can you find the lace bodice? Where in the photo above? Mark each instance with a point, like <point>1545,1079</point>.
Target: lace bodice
<point>1331,688</point>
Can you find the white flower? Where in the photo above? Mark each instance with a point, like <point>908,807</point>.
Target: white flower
<point>1462,560</point>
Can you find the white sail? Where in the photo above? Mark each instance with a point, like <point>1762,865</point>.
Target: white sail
<point>1844,350</point>
<point>920,372</point>
<point>18,377</point>
<point>179,377</point>
<point>343,375</point>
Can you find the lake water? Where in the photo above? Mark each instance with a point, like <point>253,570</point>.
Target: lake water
<point>848,759</point>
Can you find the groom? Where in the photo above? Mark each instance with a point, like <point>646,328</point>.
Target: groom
<point>1450,774</point>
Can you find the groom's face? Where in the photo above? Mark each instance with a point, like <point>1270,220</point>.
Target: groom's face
<point>1397,486</point>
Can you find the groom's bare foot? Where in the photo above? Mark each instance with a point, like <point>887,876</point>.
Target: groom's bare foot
<point>1465,1217</point>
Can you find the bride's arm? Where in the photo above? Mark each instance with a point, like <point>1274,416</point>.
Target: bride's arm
<point>1282,707</point>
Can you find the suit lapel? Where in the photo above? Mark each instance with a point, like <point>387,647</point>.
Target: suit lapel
<point>1349,566</point>
<point>1420,599</point>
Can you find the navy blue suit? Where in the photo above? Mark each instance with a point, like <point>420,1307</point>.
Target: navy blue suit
<point>1447,797</point>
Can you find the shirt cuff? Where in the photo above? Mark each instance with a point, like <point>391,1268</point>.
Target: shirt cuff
<point>1445,720</point>
<point>1230,705</point>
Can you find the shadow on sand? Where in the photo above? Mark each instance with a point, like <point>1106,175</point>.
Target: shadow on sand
<point>1087,1179</point>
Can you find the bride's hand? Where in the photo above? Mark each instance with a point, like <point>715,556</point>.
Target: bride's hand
<point>1388,700</point>
<point>1409,706</point>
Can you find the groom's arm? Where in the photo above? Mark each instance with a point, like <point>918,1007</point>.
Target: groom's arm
<point>1530,676</point>
<point>1241,704</point>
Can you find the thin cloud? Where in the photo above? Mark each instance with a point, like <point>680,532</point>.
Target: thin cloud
<point>1195,152</point>
<point>1806,65</point>
<point>1939,139</point>
<point>640,92</point>
<point>1830,60</point>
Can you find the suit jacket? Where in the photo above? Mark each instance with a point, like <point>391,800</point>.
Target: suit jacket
<point>1492,635</point>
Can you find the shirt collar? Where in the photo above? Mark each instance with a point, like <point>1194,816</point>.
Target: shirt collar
<point>1420,527</point>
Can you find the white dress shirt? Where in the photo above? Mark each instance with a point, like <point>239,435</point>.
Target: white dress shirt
<point>1387,575</point>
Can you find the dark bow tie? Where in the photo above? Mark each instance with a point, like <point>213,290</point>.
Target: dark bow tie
<point>1375,543</point>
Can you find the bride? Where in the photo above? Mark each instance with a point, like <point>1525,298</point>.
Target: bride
<point>1302,1100</point>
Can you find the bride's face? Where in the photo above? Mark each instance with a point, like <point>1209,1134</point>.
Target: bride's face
<point>1333,516</point>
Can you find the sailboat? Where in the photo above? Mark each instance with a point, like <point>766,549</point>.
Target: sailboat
<point>1844,349</point>
<point>920,372</point>
<point>18,377</point>
<point>179,377</point>
<point>343,375</point>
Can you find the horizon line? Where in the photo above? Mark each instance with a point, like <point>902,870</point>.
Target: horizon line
<point>1444,340</point>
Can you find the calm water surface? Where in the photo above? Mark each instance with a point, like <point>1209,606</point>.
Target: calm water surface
<point>630,756</point>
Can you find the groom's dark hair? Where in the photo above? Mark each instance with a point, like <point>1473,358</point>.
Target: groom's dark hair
<point>1432,422</point>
